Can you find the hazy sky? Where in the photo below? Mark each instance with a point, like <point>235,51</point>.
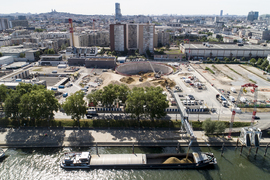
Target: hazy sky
<point>135,7</point>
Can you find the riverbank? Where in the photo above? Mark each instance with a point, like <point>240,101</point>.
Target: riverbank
<point>25,138</point>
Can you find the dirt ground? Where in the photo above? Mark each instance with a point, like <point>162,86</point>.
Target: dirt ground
<point>221,79</point>
<point>133,81</point>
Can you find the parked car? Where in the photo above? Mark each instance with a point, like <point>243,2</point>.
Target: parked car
<point>256,117</point>
<point>191,97</point>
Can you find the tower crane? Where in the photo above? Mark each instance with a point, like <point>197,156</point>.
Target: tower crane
<point>243,89</point>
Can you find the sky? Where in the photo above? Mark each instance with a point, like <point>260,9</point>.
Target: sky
<point>138,7</point>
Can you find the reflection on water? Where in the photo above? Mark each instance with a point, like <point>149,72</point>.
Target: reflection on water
<point>43,163</point>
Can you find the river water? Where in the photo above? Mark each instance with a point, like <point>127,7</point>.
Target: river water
<point>43,163</point>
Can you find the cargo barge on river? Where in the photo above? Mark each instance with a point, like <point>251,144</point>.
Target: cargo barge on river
<point>84,160</point>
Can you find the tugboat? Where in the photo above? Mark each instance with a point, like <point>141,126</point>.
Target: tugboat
<point>2,153</point>
<point>84,160</point>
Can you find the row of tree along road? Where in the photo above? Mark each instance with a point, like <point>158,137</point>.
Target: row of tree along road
<point>34,105</point>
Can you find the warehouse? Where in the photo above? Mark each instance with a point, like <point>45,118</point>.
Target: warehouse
<point>204,50</point>
<point>6,60</point>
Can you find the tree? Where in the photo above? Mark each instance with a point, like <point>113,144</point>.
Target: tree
<point>75,106</point>
<point>265,64</point>
<point>135,102</point>
<point>122,92</point>
<point>11,107</point>
<point>253,61</point>
<point>3,93</point>
<point>268,68</point>
<point>95,97</point>
<point>1,54</point>
<point>220,127</point>
<point>243,58</point>
<point>51,51</point>
<point>155,102</point>
<point>22,55</point>
<point>260,61</point>
<point>108,95</point>
<point>209,126</point>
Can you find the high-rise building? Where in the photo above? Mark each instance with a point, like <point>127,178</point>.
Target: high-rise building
<point>132,36</point>
<point>118,14</point>
<point>252,16</point>
<point>221,13</point>
<point>3,24</point>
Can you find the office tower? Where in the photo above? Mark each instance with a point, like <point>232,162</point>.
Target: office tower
<point>253,16</point>
<point>221,13</point>
<point>117,12</point>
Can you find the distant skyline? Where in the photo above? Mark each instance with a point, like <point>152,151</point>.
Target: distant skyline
<point>138,7</point>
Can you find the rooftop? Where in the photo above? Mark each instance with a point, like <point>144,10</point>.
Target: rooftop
<point>226,46</point>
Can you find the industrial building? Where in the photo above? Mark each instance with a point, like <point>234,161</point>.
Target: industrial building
<point>96,62</point>
<point>51,60</point>
<point>6,60</point>
<point>202,51</point>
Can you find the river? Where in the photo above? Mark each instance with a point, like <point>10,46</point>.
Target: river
<point>43,163</point>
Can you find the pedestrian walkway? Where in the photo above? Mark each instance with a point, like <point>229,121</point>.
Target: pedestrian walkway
<point>107,137</point>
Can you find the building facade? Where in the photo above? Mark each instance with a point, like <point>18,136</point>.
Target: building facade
<point>118,14</point>
<point>253,16</point>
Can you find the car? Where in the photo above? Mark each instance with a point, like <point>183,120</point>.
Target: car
<point>89,116</point>
<point>191,97</point>
<point>65,94</point>
<point>256,117</point>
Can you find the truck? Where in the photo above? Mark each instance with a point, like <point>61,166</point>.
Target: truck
<point>222,100</point>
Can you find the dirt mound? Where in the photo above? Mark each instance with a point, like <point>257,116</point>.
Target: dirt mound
<point>127,80</point>
<point>174,160</point>
<point>164,82</point>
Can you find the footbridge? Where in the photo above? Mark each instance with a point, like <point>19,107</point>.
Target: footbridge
<point>184,115</point>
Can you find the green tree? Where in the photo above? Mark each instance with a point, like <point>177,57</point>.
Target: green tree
<point>75,106</point>
<point>135,102</point>
<point>22,55</point>
<point>268,68</point>
<point>264,64</point>
<point>11,107</point>
<point>3,93</point>
<point>209,126</point>
<point>1,54</point>
<point>122,92</point>
<point>155,102</point>
<point>39,104</point>
<point>220,127</point>
<point>260,61</point>
<point>95,97</point>
<point>51,51</point>
<point>109,95</point>
<point>253,61</point>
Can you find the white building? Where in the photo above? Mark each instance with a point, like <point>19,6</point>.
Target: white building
<point>6,60</point>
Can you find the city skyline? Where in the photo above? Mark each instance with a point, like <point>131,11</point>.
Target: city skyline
<point>107,7</point>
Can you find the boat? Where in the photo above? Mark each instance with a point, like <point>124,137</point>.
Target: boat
<point>2,153</point>
<point>84,160</point>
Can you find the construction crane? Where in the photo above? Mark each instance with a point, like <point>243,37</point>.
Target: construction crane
<point>243,90</point>
<point>156,75</point>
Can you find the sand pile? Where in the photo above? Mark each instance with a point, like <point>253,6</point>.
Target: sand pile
<point>127,80</point>
<point>164,82</point>
<point>174,160</point>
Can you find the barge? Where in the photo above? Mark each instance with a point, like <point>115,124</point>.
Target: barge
<point>84,160</point>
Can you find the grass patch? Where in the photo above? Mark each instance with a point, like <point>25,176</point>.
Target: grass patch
<point>233,70</point>
<point>173,51</point>
<point>37,69</point>
<point>210,70</point>
<point>253,81</point>
<point>221,72</point>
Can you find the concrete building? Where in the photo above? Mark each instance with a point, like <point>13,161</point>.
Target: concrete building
<point>118,37</point>
<point>163,38</point>
<point>118,14</point>
<point>132,36</point>
<point>146,38</point>
<point>93,62</point>
<point>3,24</point>
<point>100,38</point>
<point>21,23</point>
<point>258,34</point>
<point>82,52</point>
<point>51,60</point>
<point>221,13</point>
<point>253,16</point>
<point>6,60</point>
<point>200,51</point>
